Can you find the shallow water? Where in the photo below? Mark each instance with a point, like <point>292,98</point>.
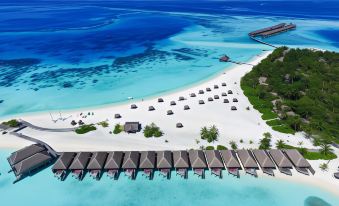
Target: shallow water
<point>94,53</point>
<point>43,189</point>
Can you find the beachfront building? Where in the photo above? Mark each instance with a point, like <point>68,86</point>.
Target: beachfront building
<point>181,162</point>
<point>231,162</point>
<point>60,168</point>
<point>214,162</point>
<point>132,127</point>
<point>248,162</point>
<point>147,163</point>
<point>79,165</point>
<point>284,164</point>
<point>198,162</point>
<point>113,164</point>
<point>164,162</point>
<point>96,164</point>
<point>265,162</point>
<point>130,163</point>
<point>299,162</point>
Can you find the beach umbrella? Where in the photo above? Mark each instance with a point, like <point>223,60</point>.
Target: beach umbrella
<point>117,116</point>
<point>235,100</point>
<point>179,125</point>
<point>208,89</point>
<point>230,92</point>
<point>160,100</point>
<point>216,86</point>
<point>201,91</point>
<point>210,99</point>
<point>216,96</point>
<point>186,107</point>
<point>170,112</point>
<point>151,108</point>
<point>226,101</point>
<point>192,95</point>
<point>172,103</point>
<point>223,84</point>
<point>233,108</point>
<point>201,102</point>
<point>133,106</point>
<point>181,98</point>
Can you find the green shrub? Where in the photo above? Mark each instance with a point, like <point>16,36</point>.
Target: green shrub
<point>209,148</point>
<point>85,128</point>
<point>12,123</point>
<point>283,129</point>
<point>152,130</point>
<point>103,124</point>
<point>210,134</point>
<point>221,147</point>
<point>118,128</point>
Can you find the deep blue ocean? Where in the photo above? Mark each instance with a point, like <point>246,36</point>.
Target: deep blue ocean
<point>57,55</point>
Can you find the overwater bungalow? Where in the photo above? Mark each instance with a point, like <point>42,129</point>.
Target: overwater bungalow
<point>208,89</point>
<point>198,162</point>
<point>216,86</point>
<point>31,164</point>
<point>284,164</point>
<point>181,98</point>
<point>113,164</point>
<point>169,112</point>
<point>60,168</point>
<point>79,164</point>
<point>226,101</point>
<point>24,153</point>
<point>133,106</point>
<point>201,102</point>
<point>179,125</point>
<point>96,164</point>
<point>223,94</point>
<point>216,96</point>
<point>201,91</point>
<point>230,92</point>
<point>265,162</point>
<point>231,162</point>
<point>299,162</point>
<point>186,107</point>
<point>151,108</point>
<point>130,163</point>
<point>214,162</point>
<point>132,127</point>
<point>193,95</point>
<point>210,99</point>
<point>223,84</point>
<point>160,100</point>
<point>164,162</point>
<point>181,162</point>
<point>147,163</point>
<point>248,162</point>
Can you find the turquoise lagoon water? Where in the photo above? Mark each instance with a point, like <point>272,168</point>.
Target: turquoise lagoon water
<point>59,55</point>
<point>43,189</point>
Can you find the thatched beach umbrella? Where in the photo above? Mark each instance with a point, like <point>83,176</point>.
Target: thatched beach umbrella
<point>151,108</point>
<point>208,89</point>
<point>117,116</point>
<point>80,122</point>
<point>230,92</point>
<point>73,123</point>
<point>226,101</point>
<point>170,112</point>
<point>216,96</point>
<point>172,103</point>
<point>201,102</point>
<point>192,95</point>
<point>179,125</point>
<point>181,98</point>
<point>224,94</point>
<point>233,108</point>
<point>160,100</point>
<point>210,99</point>
<point>235,100</point>
<point>201,91</point>
<point>133,106</point>
<point>223,84</point>
<point>186,107</point>
<point>216,86</point>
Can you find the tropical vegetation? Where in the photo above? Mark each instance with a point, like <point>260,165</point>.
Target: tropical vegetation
<point>118,128</point>
<point>85,128</point>
<point>210,134</point>
<point>152,130</point>
<point>12,123</point>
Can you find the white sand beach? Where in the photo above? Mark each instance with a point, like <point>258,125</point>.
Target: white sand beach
<point>240,125</point>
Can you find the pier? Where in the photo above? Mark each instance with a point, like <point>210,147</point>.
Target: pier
<point>36,157</point>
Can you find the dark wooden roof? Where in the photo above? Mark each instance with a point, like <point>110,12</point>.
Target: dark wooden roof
<point>24,153</point>
<point>114,160</point>
<point>230,158</point>
<point>247,159</point>
<point>180,159</point>
<point>263,159</point>
<point>214,159</point>
<point>197,159</point>
<point>131,160</point>
<point>35,161</point>
<point>280,159</point>
<point>297,159</point>
<point>164,159</point>
<point>80,161</point>
<point>97,161</point>
<point>132,127</point>
<point>64,161</point>
<point>147,160</point>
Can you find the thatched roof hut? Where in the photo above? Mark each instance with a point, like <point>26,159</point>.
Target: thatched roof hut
<point>114,160</point>
<point>170,112</point>
<point>172,103</point>
<point>180,159</point>
<point>179,125</point>
<point>233,108</point>
<point>193,95</point>
<point>216,96</point>
<point>147,160</point>
<point>160,100</point>
<point>210,99</point>
<point>164,160</point>
<point>201,91</point>
<point>226,101</point>
<point>235,100</point>
<point>133,106</point>
<point>208,89</point>
<point>224,94</point>
<point>216,86</point>
<point>132,127</point>
<point>181,98</point>
<point>131,160</point>
<point>223,84</point>
<point>186,107</point>
<point>201,102</point>
<point>230,92</point>
<point>151,108</point>
<point>197,159</point>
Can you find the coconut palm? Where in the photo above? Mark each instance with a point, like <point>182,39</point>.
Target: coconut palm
<point>233,145</point>
<point>325,149</point>
<point>300,143</point>
<point>323,167</point>
<point>214,133</point>
<point>204,133</point>
<point>280,144</point>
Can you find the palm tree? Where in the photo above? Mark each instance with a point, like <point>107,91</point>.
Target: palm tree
<point>325,149</point>
<point>204,133</point>
<point>233,145</point>
<point>323,167</point>
<point>280,144</point>
<point>300,143</point>
<point>213,134</point>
